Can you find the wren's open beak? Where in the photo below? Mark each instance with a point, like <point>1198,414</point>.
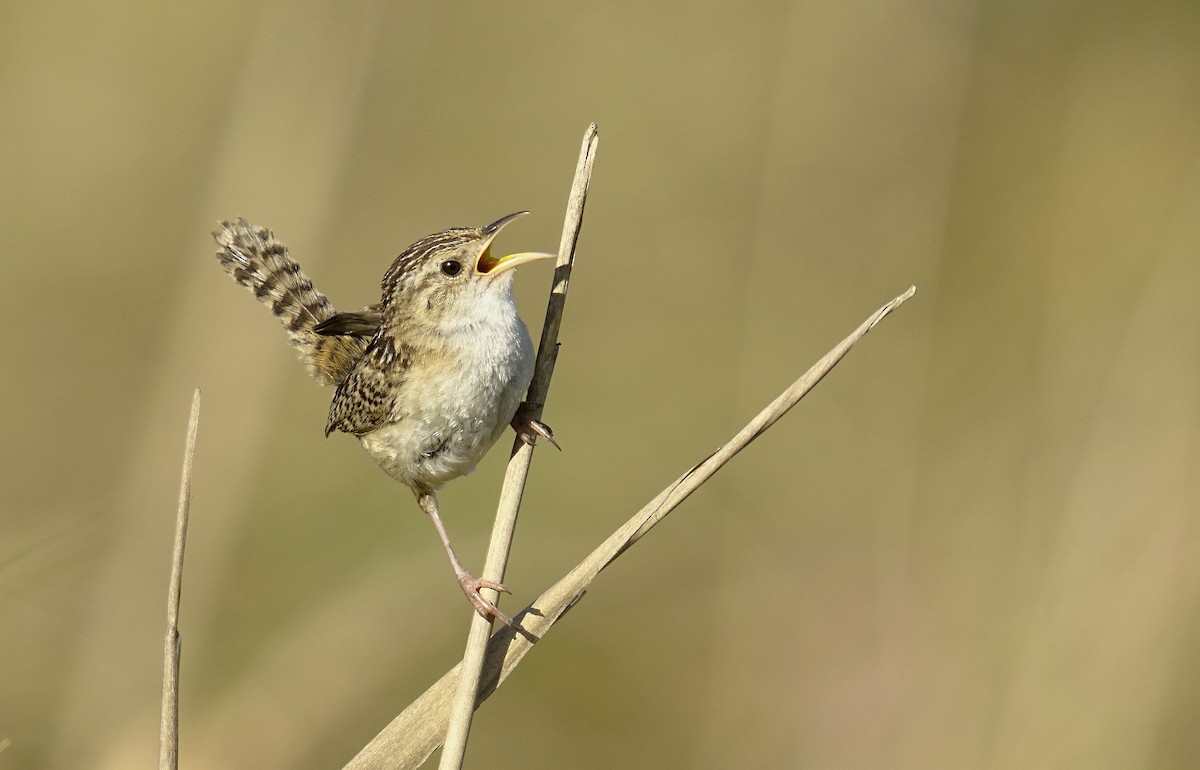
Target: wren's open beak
<point>489,265</point>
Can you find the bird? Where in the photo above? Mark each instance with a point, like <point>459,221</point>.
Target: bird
<point>429,377</point>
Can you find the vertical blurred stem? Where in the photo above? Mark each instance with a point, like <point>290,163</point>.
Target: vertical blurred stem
<point>168,728</point>
<point>296,91</point>
<point>518,465</point>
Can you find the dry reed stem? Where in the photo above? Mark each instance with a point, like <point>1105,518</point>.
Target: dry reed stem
<point>518,464</point>
<point>413,735</point>
<point>168,725</point>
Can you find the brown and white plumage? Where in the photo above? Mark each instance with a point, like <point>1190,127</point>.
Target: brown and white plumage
<point>429,377</point>
<point>458,337</point>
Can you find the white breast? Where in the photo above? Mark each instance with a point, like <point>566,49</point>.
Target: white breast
<point>446,418</point>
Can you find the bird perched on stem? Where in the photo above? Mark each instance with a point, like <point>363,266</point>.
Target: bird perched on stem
<point>427,378</point>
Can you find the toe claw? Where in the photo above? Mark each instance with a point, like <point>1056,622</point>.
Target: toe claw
<point>486,609</point>
<point>543,430</point>
<point>528,427</point>
<point>481,583</point>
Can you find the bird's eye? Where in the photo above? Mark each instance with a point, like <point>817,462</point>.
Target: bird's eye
<point>451,267</point>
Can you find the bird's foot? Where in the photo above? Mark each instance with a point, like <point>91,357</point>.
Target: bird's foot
<point>529,427</point>
<point>470,586</point>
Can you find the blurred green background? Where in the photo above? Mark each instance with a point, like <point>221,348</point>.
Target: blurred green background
<point>974,546</point>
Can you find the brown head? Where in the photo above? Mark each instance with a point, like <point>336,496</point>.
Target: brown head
<point>433,278</point>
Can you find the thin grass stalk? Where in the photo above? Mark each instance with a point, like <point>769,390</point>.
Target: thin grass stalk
<point>168,724</point>
<point>518,465</point>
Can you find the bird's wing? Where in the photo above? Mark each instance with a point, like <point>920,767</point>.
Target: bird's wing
<point>360,323</point>
<point>365,399</point>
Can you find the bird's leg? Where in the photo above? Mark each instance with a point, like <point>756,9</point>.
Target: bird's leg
<point>528,427</point>
<point>470,584</point>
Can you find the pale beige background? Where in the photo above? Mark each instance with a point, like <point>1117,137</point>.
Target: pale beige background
<point>975,546</point>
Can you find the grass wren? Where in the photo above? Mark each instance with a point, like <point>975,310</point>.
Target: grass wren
<point>429,377</point>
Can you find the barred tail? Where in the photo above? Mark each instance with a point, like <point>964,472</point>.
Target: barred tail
<point>258,261</point>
